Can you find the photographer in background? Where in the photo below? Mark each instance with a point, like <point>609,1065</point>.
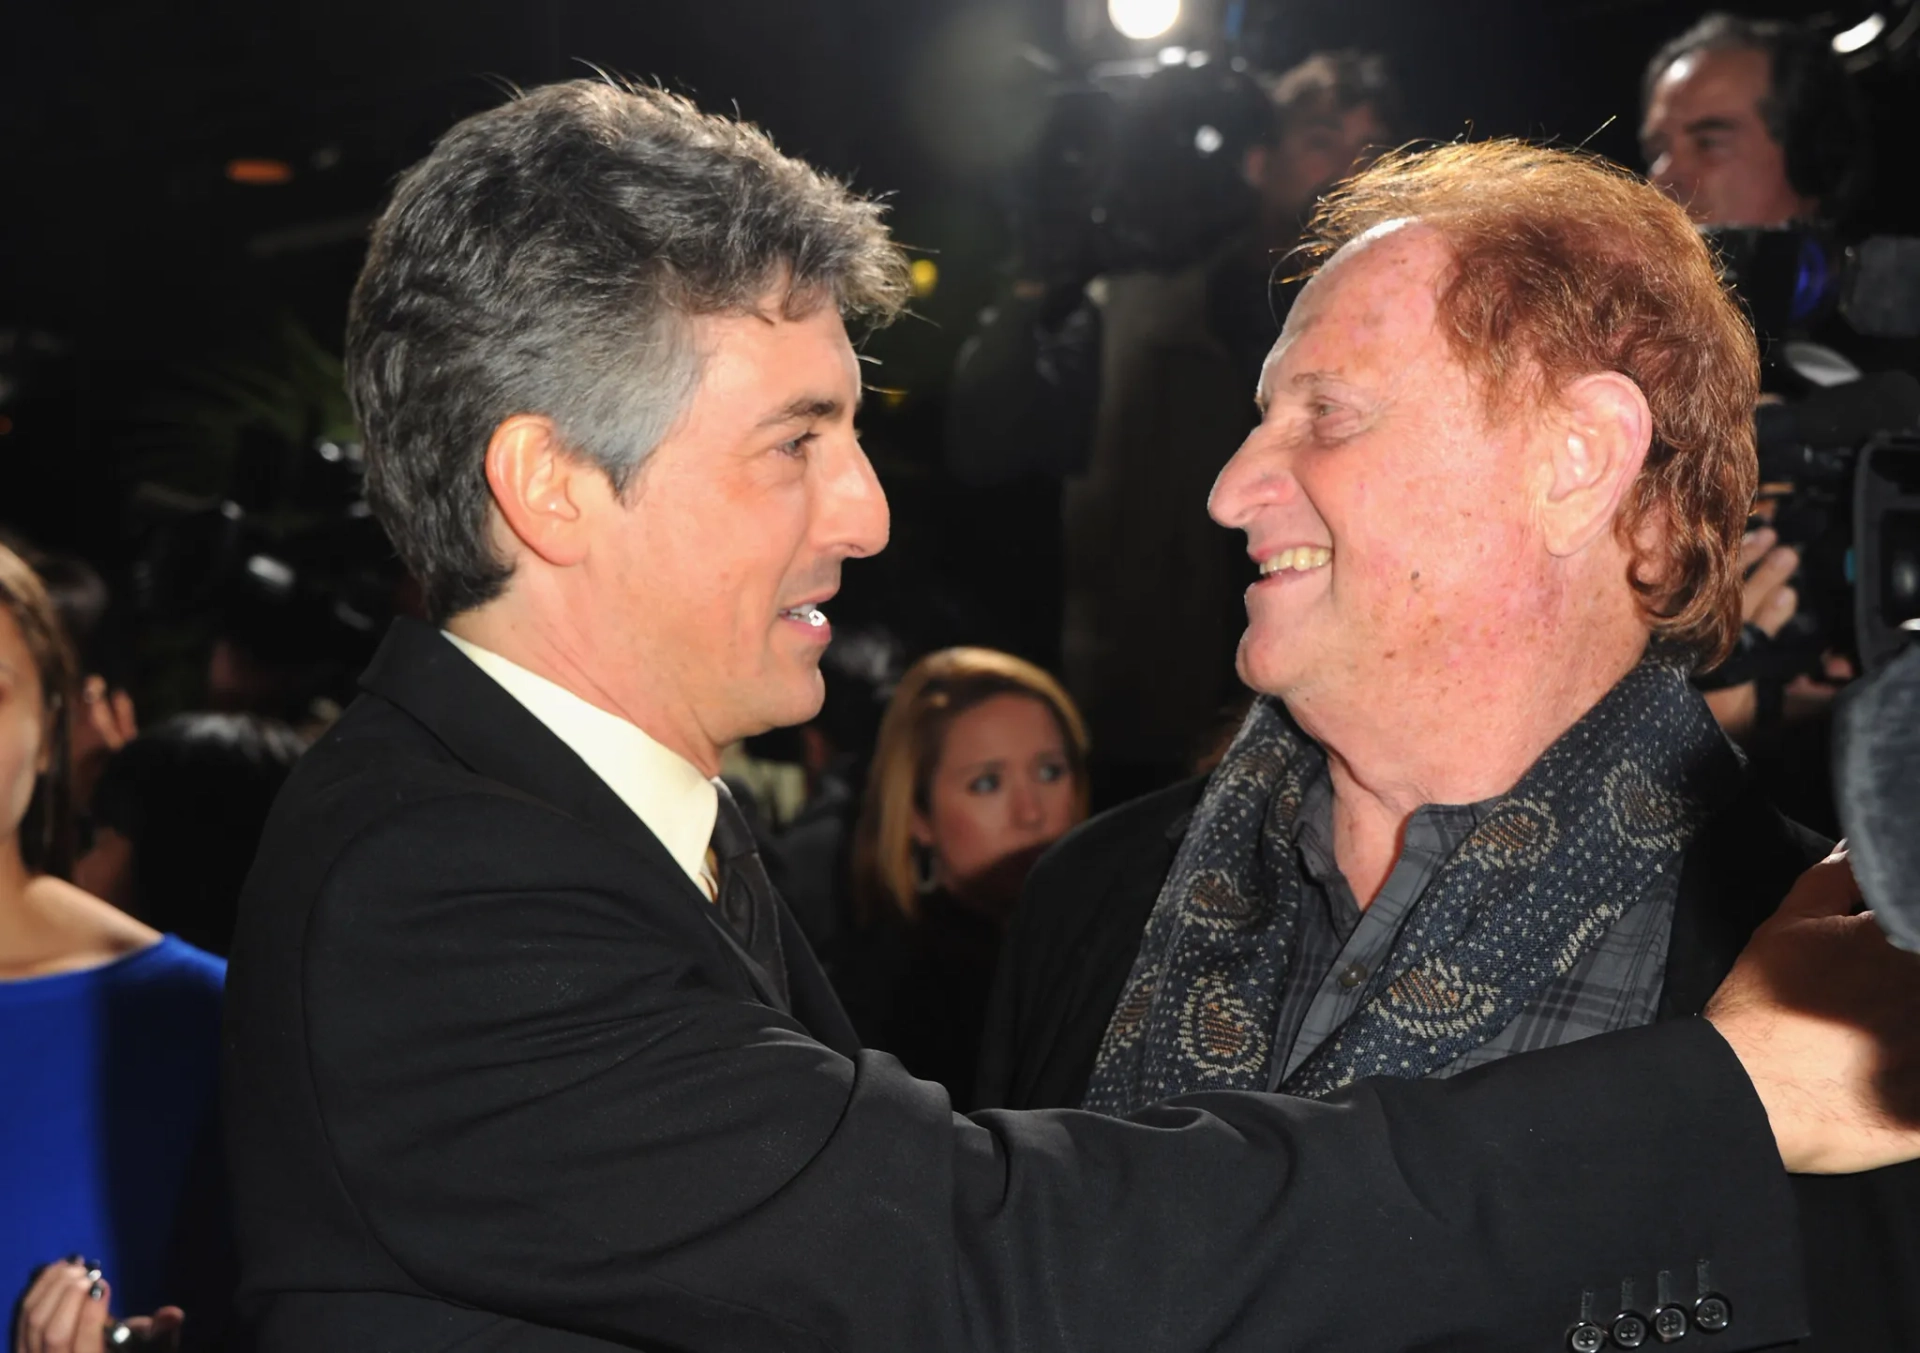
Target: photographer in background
<point>1133,388</point>
<point>1751,122</point>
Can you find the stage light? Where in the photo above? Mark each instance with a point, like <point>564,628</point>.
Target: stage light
<point>259,171</point>
<point>1143,19</point>
<point>1853,39</point>
<point>923,276</point>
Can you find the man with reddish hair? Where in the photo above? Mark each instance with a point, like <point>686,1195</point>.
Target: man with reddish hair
<point>1495,498</point>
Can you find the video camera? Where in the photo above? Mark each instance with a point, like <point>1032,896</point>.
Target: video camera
<point>292,568</point>
<point>1842,450</point>
<point>1140,168</point>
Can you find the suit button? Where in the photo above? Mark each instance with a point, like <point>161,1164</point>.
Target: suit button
<point>1669,1324</point>
<point>1587,1338</point>
<point>1712,1313</point>
<point>1629,1330</point>
<point>1354,975</point>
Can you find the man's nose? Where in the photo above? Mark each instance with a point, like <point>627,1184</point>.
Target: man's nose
<point>1259,473</point>
<point>857,518</point>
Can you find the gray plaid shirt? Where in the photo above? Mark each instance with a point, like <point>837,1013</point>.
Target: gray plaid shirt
<point>1615,985</point>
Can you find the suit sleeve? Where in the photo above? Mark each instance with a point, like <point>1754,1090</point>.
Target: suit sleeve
<point>543,1104</point>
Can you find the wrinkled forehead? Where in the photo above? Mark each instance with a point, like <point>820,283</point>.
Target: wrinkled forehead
<point>1370,308</point>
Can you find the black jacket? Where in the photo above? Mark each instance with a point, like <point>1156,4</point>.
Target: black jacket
<point>496,1078</point>
<point>1077,931</point>
<point>917,988</point>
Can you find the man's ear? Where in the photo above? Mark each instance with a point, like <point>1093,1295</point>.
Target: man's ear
<point>1595,444</point>
<point>541,488</point>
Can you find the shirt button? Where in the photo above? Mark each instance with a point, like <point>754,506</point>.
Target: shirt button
<point>1629,1330</point>
<point>1587,1338</point>
<point>1712,1313</point>
<point>1353,976</point>
<point>1669,1324</point>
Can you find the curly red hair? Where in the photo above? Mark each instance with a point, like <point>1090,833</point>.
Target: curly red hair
<point>1563,265</point>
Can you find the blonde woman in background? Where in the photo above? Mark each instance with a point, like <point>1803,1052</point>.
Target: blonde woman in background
<point>980,765</point>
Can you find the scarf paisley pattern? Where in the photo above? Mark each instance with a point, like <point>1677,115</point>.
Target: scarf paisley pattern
<point>1552,864</point>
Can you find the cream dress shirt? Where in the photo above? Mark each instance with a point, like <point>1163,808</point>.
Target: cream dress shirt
<point>665,791</point>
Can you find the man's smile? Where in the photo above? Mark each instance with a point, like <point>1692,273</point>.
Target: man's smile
<point>1295,559</point>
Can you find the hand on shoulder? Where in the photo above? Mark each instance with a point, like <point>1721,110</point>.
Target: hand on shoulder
<point>1824,1014</point>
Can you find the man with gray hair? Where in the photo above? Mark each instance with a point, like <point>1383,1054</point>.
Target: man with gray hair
<point>522,1050</point>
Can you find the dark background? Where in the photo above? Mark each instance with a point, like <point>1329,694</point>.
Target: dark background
<point>162,324</point>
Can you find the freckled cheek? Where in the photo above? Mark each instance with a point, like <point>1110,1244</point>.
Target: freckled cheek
<point>1386,548</point>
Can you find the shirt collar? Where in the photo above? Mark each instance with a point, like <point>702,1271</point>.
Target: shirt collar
<point>1438,828</point>
<point>669,795</point>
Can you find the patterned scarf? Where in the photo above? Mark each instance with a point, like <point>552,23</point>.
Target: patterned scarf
<point>1552,864</point>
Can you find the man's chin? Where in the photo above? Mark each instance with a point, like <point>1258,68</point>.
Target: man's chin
<point>797,700</point>
<point>1265,667</point>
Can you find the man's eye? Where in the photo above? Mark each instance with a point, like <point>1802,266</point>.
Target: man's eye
<point>797,446</point>
<point>987,782</point>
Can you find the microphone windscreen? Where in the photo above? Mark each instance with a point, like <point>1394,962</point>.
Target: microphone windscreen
<point>1877,783</point>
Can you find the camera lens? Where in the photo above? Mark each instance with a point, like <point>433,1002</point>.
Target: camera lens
<point>1900,556</point>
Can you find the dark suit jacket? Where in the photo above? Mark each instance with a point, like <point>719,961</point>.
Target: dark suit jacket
<point>497,1079</point>
<point>1075,936</point>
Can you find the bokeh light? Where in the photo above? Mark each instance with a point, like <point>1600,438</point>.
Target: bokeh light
<point>1143,19</point>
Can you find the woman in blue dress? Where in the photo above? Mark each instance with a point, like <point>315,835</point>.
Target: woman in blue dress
<point>109,1047</point>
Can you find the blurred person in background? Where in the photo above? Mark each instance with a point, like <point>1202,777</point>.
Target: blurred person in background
<point>1134,387</point>
<point>103,713</point>
<point>981,764</point>
<point>1755,122</point>
<point>178,815</point>
<point>109,1045</point>
<point>810,860</point>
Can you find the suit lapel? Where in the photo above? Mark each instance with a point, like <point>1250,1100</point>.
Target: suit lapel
<point>499,738</point>
<point>1735,873</point>
<point>1702,946</point>
<point>815,1003</point>
<point>496,736</point>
